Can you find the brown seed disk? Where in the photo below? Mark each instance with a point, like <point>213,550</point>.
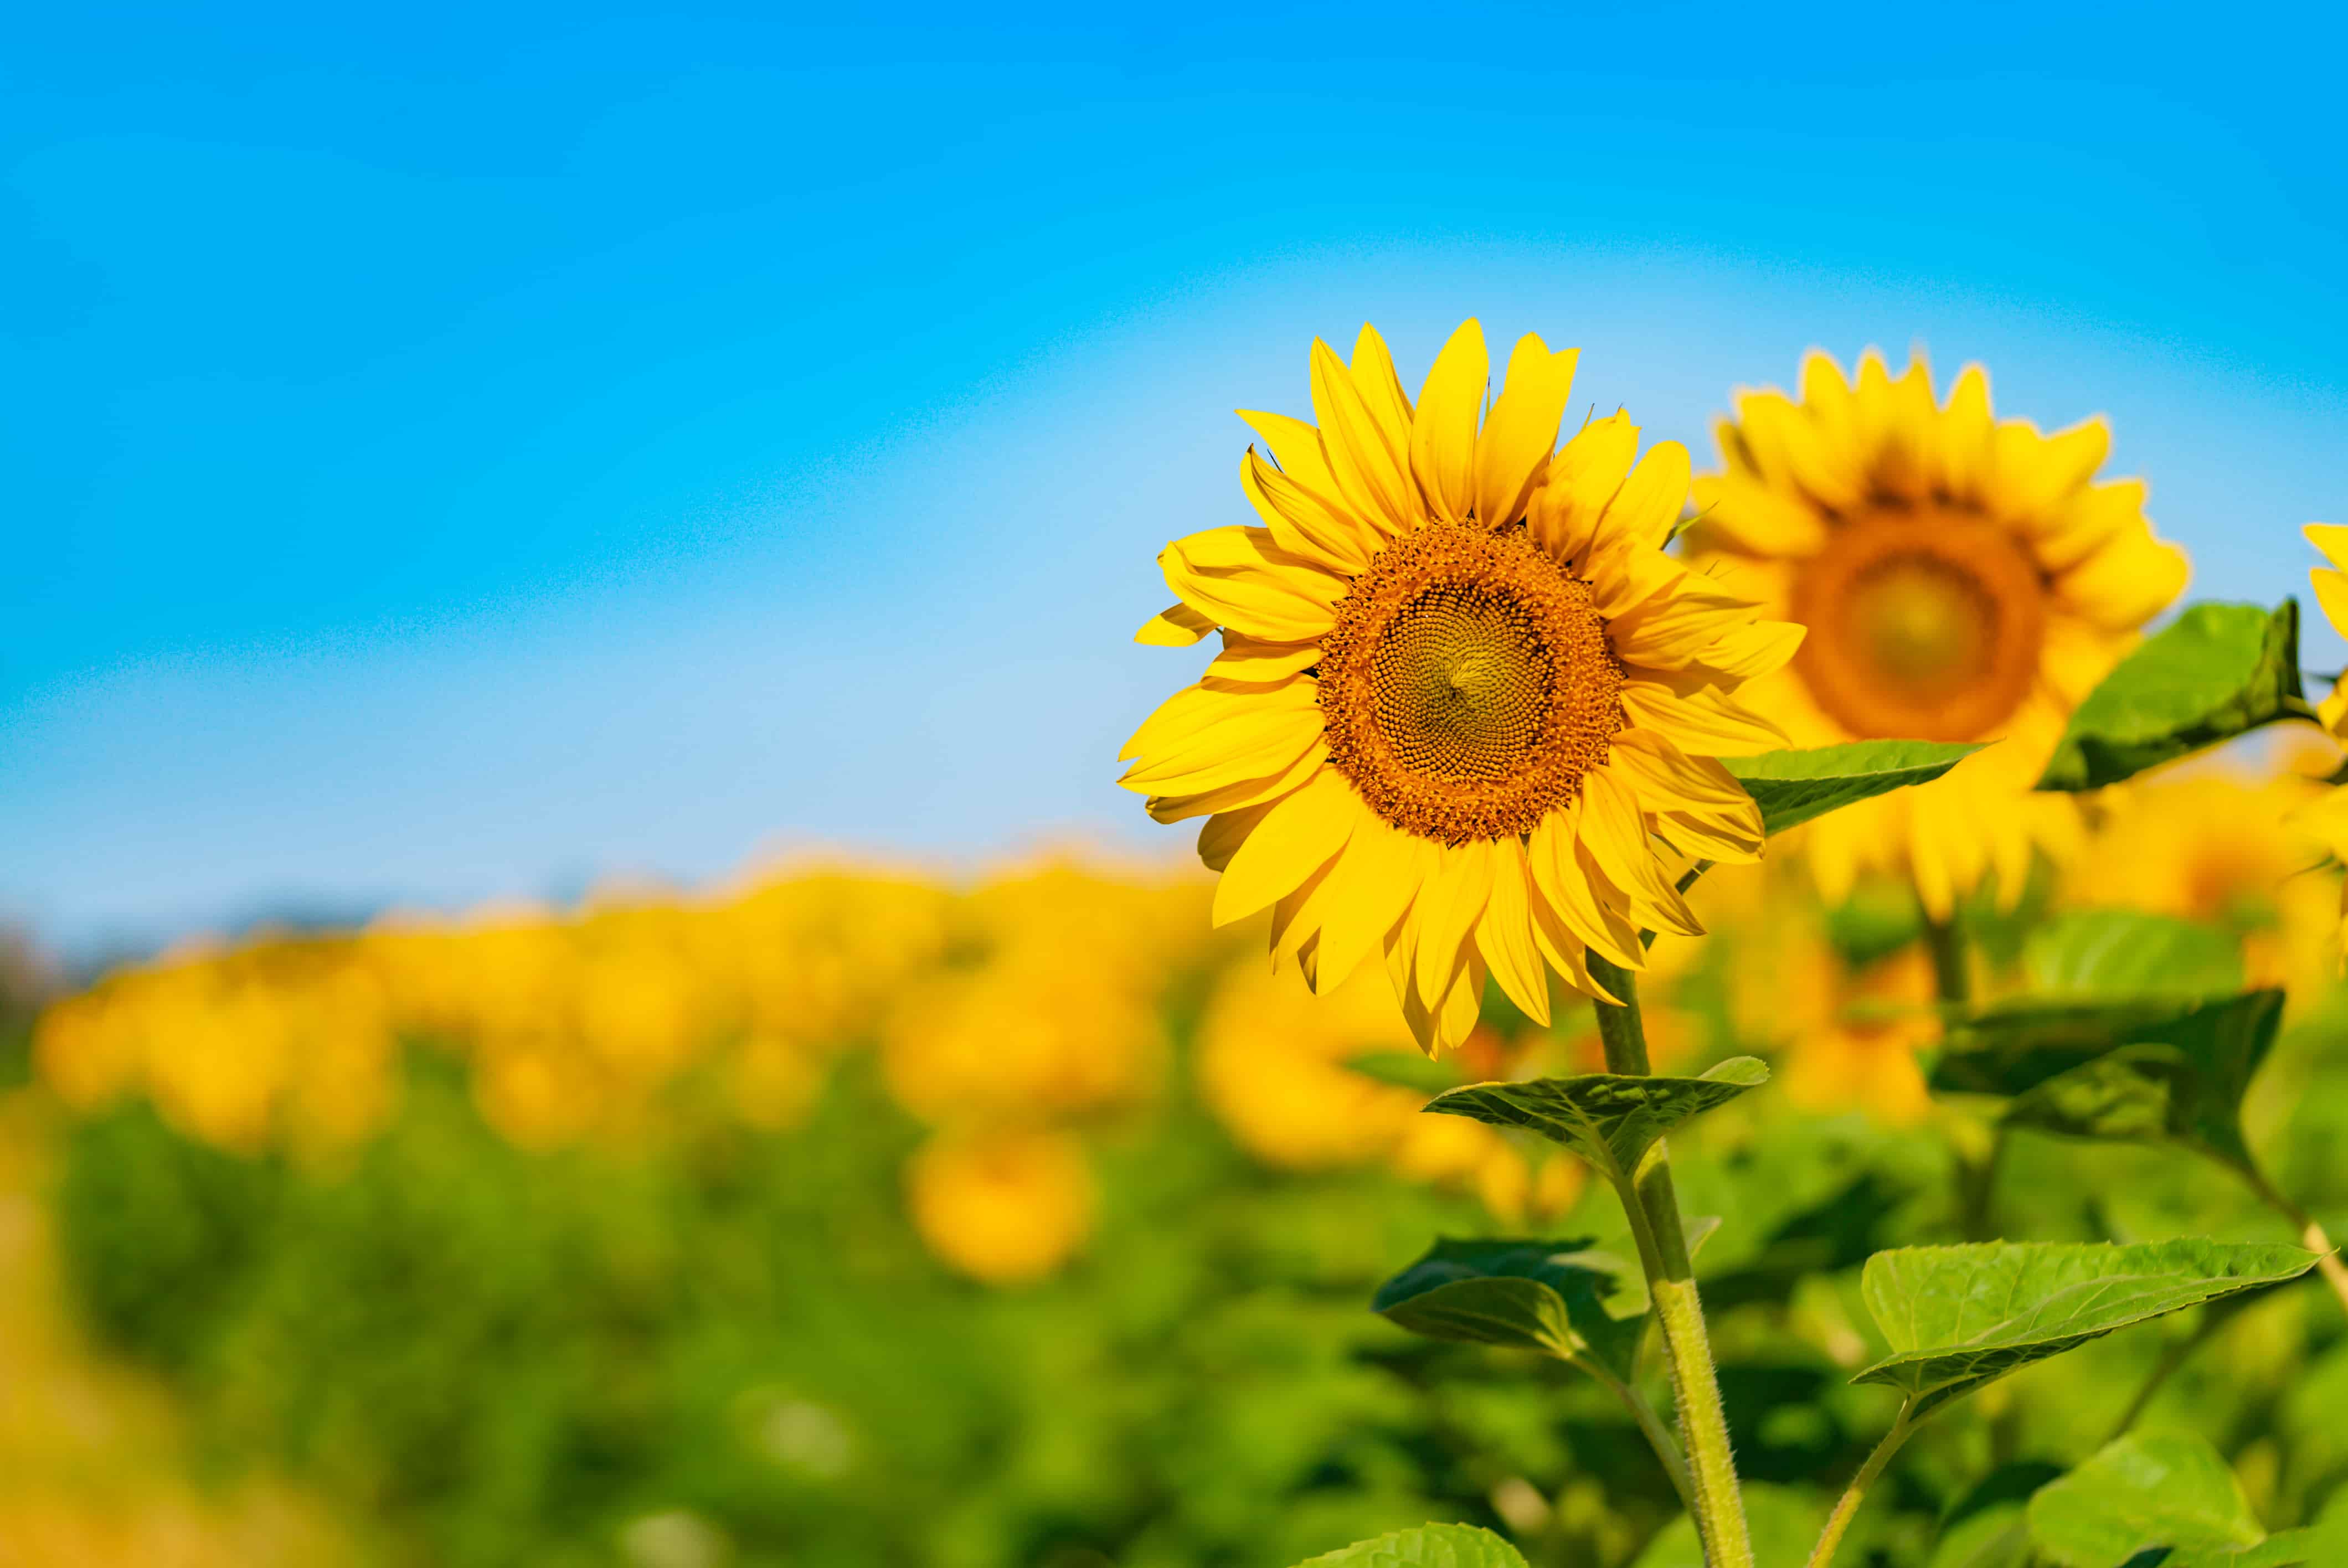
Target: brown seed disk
<point>1467,684</point>
<point>1926,623</point>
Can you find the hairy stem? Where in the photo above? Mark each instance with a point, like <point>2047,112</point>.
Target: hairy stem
<point>1652,1206</point>
<point>1845,1507</point>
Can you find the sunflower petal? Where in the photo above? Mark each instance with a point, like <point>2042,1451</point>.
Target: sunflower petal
<point>1296,838</point>
<point>2127,582</point>
<point>1373,373</point>
<point>1703,725</point>
<point>1261,590</point>
<point>1578,483</point>
<point>1297,447</point>
<point>1305,524</point>
<point>2332,538</point>
<point>1220,836</point>
<point>1371,474</point>
<point>1504,935</point>
<point>1443,433</point>
<point>1176,626</point>
<point>1614,831</point>
<point>1557,876</point>
<point>1512,453</point>
<point>1268,785</point>
<point>1646,509</point>
<point>1448,910</point>
<point>1379,874</point>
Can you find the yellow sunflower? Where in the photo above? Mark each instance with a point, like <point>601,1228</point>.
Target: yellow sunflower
<point>1962,578</point>
<point>1462,689</point>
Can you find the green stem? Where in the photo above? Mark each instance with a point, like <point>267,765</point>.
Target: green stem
<point>1845,1507</point>
<point>2311,1235</point>
<point>1652,1207</point>
<point>2172,1357</point>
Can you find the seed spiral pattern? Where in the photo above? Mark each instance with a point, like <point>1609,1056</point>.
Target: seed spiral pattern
<point>1467,684</point>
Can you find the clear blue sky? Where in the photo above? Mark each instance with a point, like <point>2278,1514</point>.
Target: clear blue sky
<point>462,451</point>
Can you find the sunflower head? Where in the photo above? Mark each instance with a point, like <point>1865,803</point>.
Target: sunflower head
<point>1961,578</point>
<point>1465,705</point>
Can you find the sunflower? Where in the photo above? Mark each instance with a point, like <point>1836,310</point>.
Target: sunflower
<point>1962,578</point>
<point>1461,691</point>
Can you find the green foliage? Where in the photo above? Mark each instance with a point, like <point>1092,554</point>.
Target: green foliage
<point>1429,1546</point>
<point>2141,1071</point>
<point>1960,1318</point>
<point>2125,953</point>
<point>1609,1119</point>
<point>1792,787</point>
<point>2146,1493</point>
<point>2216,671</point>
<point>1550,1296</point>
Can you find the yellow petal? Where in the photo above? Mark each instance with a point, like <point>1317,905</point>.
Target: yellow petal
<point>1254,745</point>
<point>1615,833</point>
<point>1966,429</point>
<point>1373,373</point>
<point>1447,912</point>
<point>1296,919</point>
<point>1581,480</point>
<point>1252,661</point>
<point>1667,779</point>
<point>1295,839</point>
<point>1443,433</point>
<point>2332,593</point>
<point>1305,524</point>
<point>1505,934</point>
<point>1266,592</point>
<point>1176,626</point>
<point>1297,447</point>
<point>1559,877</point>
<point>1371,474</point>
<point>1512,453</point>
<point>1744,514</point>
<point>1276,780</point>
<point>1705,724</point>
<point>2332,538</point>
<point>1788,445</point>
<point>1220,836</point>
<point>1648,505</point>
<point>2086,522</point>
<point>2127,583</point>
<point>1378,875</point>
<point>2034,475</point>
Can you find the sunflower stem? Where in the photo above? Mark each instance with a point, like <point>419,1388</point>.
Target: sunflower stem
<point>2311,1235</point>
<point>1845,1507</point>
<point>1951,977</point>
<point>1652,1206</point>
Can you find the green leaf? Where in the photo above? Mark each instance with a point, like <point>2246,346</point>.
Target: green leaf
<point>1792,787</point>
<point>2143,1493</point>
<point>2124,953</point>
<point>1547,1295</point>
<point>1783,1521</point>
<point>1958,1317</point>
<point>2218,671</point>
<point>1609,1119</point>
<point>2148,1072</point>
<point>1428,1546</point>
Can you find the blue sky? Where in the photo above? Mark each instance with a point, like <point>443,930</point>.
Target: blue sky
<point>471,451</point>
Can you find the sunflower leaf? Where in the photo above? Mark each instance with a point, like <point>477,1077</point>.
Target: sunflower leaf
<point>2218,671</point>
<point>2147,1070</point>
<point>1959,1318</point>
<point>2143,1493</point>
<point>1609,1119</point>
<point>1792,787</point>
<point>1428,1546</point>
<point>2113,953</point>
<point>1526,1295</point>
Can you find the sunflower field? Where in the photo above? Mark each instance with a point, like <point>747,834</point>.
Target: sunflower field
<point>1802,1025</point>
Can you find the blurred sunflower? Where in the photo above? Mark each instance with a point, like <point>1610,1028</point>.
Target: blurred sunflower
<point>1461,687</point>
<point>1962,578</point>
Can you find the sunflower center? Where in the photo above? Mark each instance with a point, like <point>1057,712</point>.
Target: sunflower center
<point>1467,684</point>
<point>1923,625</point>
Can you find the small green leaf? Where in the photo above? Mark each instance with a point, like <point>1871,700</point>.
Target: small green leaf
<point>2218,671</point>
<point>1547,1296</point>
<point>1609,1119</point>
<point>2145,1494</point>
<point>1428,1546</point>
<point>1792,787</point>
<point>2147,1072</point>
<point>2124,953</point>
<point>1958,1317</point>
